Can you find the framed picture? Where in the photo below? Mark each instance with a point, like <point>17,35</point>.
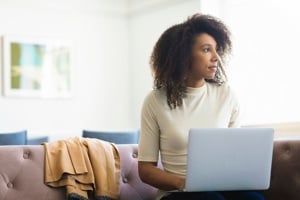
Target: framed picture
<point>36,67</point>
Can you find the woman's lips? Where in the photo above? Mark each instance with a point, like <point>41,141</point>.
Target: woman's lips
<point>213,68</point>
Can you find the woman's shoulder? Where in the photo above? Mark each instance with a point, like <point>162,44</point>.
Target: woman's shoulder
<point>155,95</point>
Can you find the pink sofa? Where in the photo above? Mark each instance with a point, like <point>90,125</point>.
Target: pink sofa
<point>21,174</point>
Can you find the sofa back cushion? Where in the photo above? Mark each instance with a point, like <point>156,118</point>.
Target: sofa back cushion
<point>22,174</point>
<point>131,185</point>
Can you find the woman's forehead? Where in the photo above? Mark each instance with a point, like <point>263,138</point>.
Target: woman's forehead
<point>205,39</point>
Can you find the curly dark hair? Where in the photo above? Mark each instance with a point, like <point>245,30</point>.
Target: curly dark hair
<point>171,58</point>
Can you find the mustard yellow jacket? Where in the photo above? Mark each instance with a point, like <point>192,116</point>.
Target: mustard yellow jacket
<point>84,166</point>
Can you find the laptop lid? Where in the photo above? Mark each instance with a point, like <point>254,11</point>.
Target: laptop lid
<point>222,159</point>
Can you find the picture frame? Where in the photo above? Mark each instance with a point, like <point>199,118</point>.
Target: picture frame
<point>36,67</point>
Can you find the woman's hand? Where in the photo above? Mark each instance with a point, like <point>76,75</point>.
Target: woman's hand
<point>152,175</point>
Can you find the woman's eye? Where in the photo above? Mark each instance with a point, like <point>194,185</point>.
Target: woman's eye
<point>206,50</point>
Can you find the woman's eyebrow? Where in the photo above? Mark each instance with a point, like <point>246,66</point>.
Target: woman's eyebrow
<point>207,44</point>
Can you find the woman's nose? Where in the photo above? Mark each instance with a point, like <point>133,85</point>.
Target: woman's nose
<point>215,57</point>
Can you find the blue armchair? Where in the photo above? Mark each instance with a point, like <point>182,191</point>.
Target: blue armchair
<point>122,137</point>
<point>37,140</point>
<point>14,138</point>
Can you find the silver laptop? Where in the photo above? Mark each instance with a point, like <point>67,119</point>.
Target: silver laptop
<point>222,159</point>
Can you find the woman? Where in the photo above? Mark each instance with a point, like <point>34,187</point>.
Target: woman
<point>190,91</point>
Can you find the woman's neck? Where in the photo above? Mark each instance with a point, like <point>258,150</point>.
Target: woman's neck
<point>195,83</point>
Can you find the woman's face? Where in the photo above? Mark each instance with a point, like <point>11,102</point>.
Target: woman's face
<point>204,60</point>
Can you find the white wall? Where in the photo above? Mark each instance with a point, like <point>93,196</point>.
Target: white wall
<point>113,41</point>
<point>99,30</point>
<point>146,24</point>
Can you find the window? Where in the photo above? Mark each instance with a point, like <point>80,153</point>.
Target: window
<point>264,69</point>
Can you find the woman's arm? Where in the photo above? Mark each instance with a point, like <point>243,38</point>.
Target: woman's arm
<point>152,175</point>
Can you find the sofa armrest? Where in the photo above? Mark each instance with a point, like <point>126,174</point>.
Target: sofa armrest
<point>285,174</point>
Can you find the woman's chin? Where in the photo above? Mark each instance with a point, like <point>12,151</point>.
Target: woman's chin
<point>212,76</point>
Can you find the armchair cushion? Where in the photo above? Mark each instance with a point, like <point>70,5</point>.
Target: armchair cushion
<point>14,138</point>
<point>125,137</point>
